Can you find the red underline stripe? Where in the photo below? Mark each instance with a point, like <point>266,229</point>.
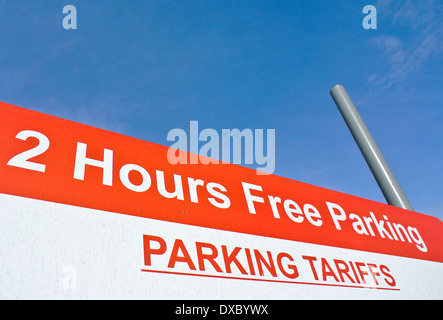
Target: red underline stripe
<point>267,280</point>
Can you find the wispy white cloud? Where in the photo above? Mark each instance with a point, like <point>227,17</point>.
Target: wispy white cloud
<point>403,61</point>
<point>405,56</point>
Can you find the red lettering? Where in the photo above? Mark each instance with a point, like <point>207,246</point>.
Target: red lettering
<point>250,264</point>
<point>232,258</point>
<point>339,270</point>
<point>148,250</point>
<point>354,272</point>
<point>293,267</point>
<point>327,270</point>
<point>178,244</point>
<point>343,269</point>
<point>373,273</point>
<point>360,271</point>
<point>311,263</point>
<point>385,270</point>
<point>210,257</point>
<point>261,260</point>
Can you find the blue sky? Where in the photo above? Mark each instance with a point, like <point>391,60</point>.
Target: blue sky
<point>142,68</point>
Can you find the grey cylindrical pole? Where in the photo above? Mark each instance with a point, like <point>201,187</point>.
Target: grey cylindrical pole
<point>374,158</point>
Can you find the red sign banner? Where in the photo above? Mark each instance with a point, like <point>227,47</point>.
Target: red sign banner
<point>52,159</point>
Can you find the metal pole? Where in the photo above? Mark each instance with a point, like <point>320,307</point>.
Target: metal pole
<point>374,158</point>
